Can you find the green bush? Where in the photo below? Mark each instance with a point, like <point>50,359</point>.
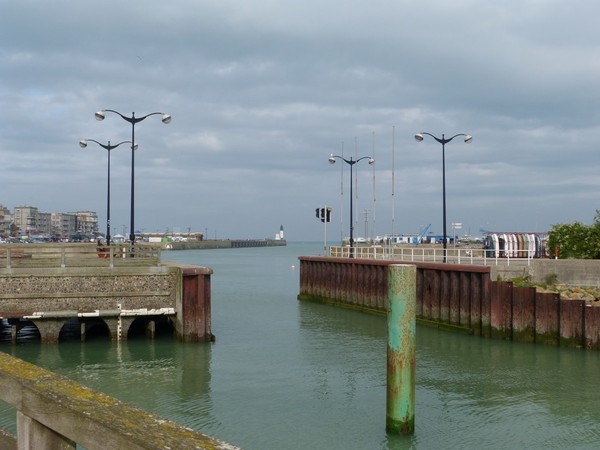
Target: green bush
<point>576,240</point>
<point>550,280</point>
<point>523,281</point>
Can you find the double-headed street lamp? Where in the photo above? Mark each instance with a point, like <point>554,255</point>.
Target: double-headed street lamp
<point>351,163</point>
<point>166,118</point>
<point>83,144</point>
<point>468,138</point>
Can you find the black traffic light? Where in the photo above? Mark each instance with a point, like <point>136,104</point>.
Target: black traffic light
<point>323,214</point>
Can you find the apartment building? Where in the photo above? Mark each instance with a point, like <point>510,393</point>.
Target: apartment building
<point>5,220</point>
<point>30,222</point>
<point>87,222</point>
<point>63,225</point>
<point>25,219</point>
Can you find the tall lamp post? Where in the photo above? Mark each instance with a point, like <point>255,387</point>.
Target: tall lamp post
<point>351,163</point>
<point>467,138</point>
<point>166,118</point>
<point>83,144</point>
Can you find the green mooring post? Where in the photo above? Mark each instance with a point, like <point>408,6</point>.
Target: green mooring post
<point>401,350</point>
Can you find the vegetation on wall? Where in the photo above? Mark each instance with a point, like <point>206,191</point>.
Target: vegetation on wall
<point>576,240</point>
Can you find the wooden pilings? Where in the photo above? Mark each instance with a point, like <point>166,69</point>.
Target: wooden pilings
<point>459,297</point>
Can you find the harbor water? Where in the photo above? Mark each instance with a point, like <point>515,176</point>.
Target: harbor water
<point>284,374</point>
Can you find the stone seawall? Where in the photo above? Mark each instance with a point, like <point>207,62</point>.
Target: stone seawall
<point>26,292</point>
<point>114,297</point>
<point>570,272</point>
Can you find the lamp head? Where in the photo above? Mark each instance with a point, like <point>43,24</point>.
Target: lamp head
<point>166,118</point>
<point>418,137</point>
<point>371,161</point>
<point>83,143</point>
<point>99,115</point>
<point>468,138</point>
<point>331,159</point>
<point>135,147</point>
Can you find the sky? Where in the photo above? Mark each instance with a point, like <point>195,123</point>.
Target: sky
<point>262,92</point>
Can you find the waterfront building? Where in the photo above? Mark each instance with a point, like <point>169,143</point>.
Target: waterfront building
<point>44,223</point>
<point>25,219</point>
<point>29,221</point>
<point>63,225</point>
<point>5,221</point>
<point>87,223</point>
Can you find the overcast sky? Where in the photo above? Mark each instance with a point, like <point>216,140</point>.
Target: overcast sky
<point>262,92</point>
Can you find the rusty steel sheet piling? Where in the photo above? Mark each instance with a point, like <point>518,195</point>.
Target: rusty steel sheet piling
<point>456,297</point>
<point>401,349</point>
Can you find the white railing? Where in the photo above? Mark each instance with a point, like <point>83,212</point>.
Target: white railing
<point>462,255</point>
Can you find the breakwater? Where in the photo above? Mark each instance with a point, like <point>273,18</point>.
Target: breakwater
<point>457,297</point>
<point>223,243</point>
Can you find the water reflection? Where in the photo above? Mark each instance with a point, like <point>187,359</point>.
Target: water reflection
<point>163,376</point>
<point>538,394</point>
<point>359,342</point>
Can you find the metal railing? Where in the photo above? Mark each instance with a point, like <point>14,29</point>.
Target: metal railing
<point>15,256</point>
<point>462,255</point>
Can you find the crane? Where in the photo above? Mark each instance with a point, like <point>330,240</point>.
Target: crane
<point>420,237</point>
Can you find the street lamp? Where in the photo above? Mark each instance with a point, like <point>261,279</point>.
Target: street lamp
<point>166,118</point>
<point>83,144</point>
<point>351,163</point>
<point>468,138</point>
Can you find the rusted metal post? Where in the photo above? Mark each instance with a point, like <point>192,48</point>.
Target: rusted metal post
<point>193,307</point>
<point>401,350</point>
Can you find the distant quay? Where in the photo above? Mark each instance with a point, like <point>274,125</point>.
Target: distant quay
<point>223,243</point>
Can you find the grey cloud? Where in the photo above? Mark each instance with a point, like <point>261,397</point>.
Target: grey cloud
<point>262,92</point>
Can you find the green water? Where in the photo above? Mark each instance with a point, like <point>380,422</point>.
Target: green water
<point>289,375</point>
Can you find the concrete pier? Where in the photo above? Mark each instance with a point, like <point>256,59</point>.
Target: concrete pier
<point>50,287</point>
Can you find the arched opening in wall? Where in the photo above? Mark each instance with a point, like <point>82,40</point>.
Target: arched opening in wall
<point>96,329</point>
<point>5,331</point>
<point>70,331</point>
<point>150,326</point>
<point>26,331</point>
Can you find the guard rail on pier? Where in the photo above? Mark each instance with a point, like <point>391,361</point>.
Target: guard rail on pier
<point>15,256</point>
<point>429,253</point>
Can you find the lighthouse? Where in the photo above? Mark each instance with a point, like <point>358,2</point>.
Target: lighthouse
<point>279,236</point>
